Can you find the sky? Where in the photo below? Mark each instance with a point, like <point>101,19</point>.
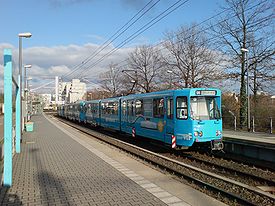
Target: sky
<point>65,32</point>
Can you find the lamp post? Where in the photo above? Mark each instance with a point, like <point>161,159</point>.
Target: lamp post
<point>21,35</point>
<point>26,91</point>
<point>245,51</point>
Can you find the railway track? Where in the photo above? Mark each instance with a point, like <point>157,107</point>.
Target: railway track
<point>228,190</point>
<point>260,178</point>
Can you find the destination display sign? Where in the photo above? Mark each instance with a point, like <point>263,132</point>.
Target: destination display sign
<point>206,92</point>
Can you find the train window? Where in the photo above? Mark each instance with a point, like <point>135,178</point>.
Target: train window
<point>95,108</point>
<point>88,108</point>
<point>182,111</point>
<point>170,108</point>
<point>139,107</point>
<point>123,106</point>
<point>115,108</point>
<point>92,108</point>
<point>158,108</point>
<point>110,108</point>
<point>104,107</point>
<point>147,107</point>
<point>131,108</point>
<point>204,108</point>
<point>82,108</point>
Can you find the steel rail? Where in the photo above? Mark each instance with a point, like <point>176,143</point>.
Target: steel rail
<point>238,172</point>
<point>140,152</point>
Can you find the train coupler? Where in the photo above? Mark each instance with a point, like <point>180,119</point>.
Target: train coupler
<point>217,145</point>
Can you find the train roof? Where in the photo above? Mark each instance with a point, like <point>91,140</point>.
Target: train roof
<point>184,91</point>
<point>92,101</point>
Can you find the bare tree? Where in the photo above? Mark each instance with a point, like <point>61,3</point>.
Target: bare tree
<point>244,21</point>
<point>146,62</point>
<point>97,93</point>
<point>111,81</point>
<point>190,58</point>
<point>261,63</point>
<point>129,81</point>
<point>261,68</point>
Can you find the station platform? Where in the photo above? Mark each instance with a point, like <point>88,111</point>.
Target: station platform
<point>256,137</point>
<point>254,148</point>
<point>59,165</point>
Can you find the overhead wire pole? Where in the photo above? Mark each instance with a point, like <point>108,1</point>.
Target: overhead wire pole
<point>245,51</point>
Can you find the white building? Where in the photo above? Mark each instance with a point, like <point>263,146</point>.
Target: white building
<point>63,91</point>
<point>70,92</point>
<point>77,90</point>
<point>47,99</point>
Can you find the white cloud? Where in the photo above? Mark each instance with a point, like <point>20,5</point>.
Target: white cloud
<point>95,37</point>
<point>59,70</point>
<point>48,62</point>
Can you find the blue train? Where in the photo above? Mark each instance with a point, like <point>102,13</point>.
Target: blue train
<point>179,118</point>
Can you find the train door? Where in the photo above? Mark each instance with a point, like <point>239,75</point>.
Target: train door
<point>169,119</point>
<point>159,118</point>
<point>119,113</point>
<point>130,115</point>
<point>99,113</point>
<point>123,121</point>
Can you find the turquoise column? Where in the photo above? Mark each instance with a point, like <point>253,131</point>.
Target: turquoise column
<point>18,122</point>
<point>7,118</point>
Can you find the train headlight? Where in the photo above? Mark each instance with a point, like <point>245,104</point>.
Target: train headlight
<point>218,133</point>
<point>200,133</point>
<point>196,134</point>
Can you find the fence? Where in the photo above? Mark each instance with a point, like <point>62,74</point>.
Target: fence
<point>257,124</point>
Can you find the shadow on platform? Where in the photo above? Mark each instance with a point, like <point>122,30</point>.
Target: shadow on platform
<point>51,188</point>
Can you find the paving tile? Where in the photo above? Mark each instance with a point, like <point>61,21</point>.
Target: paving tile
<point>57,170</point>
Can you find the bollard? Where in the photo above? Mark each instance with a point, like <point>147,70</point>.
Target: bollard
<point>253,124</point>
<point>271,126</point>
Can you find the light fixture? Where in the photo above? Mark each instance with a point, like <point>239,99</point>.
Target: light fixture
<point>25,35</point>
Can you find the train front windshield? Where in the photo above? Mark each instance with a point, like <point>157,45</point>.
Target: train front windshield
<point>204,108</point>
